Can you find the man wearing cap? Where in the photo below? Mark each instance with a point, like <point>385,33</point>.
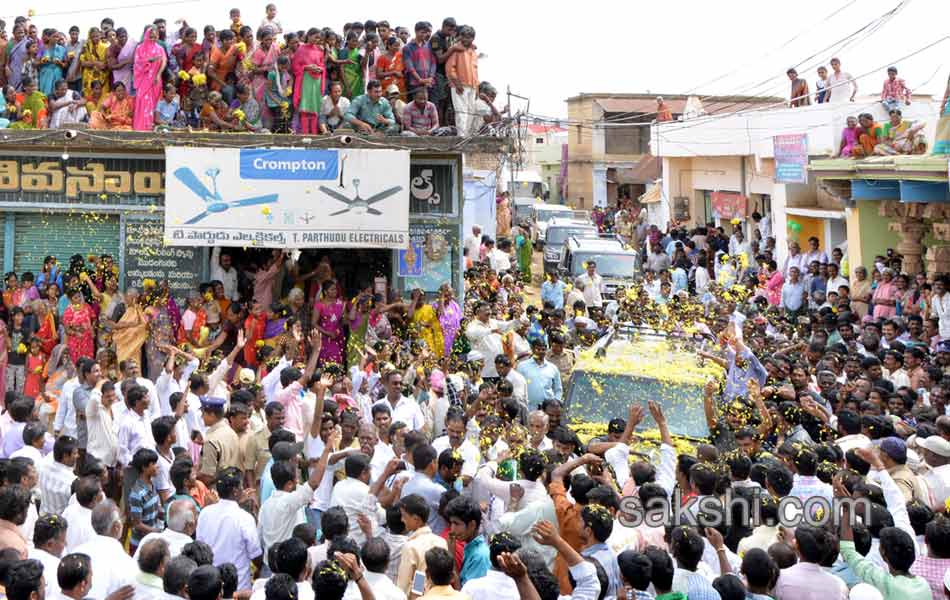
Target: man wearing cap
<point>936,453</point>
<point>893,453</point>
<point>543,378</point>
<point>395,100</point>
<point>221,445</point>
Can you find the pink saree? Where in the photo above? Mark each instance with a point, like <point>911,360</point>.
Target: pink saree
<point>147,67</point>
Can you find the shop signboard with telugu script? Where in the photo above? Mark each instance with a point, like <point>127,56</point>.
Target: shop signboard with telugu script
<point>791,158</point>
<point>287,198</point>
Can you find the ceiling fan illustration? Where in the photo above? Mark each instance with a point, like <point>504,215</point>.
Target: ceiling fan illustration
<point>357,204</point>
<point>213,200</point>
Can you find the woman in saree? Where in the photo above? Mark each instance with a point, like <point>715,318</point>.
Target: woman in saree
<point>116,112</point>
<point>16,54</point>
<point>450,316</point>
<point>502,217</point>
<point>59,368</point>
<point>524,249</point>
<point>885,296</point>
<point>184,53</point>
<point>95,98</point>
<point>78,320</point>
<point>389,67</point>
<point>161,333</point>
<point>328,320</point>
<point>94,62</point>
<point>47,332</point>
<point>150,61</point>
<point>942,135</point>
<point>52,64</point>
<point>308,66</point>
<point>426,323</point>
<point>849,138</point>
<point>352,67</point>
<point>357,319</point>
<point>263,61</point>
<point>131,331</point>
<point>379,329</point>
<point>34,101</point>
<point>120,58</point>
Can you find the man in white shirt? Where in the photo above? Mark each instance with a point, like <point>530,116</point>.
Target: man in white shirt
<point>132,371</point>
<point>842,87</point>
<point>455,440</point>
<point>940,307</point>
<point>112,567</point>
<point>518,383</point>
<point>473,243</point>
<point>229,529</point>
<point>795,259</point>
<point>402,408</point>
<point>593,286</point>
<point>151,558</point>
<point>484,335</point>
<point>134,429</point>
<point>835,280</point>
<point>64,423</point>
<point>223,271</point>
<point>499,257</point>
<point>936,453</point>
<point>354,497</point>
<point>49,541</point>
<point>175,376</point>
<point>79,514</point>
<point>284,508</point>
<point>100,424</point>
<point>376,560</point>
<point>57,476</point>
<point>182,521</point>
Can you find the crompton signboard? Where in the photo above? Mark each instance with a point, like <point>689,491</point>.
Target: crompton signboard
<point>287,198</point>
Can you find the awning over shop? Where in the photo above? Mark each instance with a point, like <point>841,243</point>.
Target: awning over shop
<point>653,194</point>
<point>645,171</point>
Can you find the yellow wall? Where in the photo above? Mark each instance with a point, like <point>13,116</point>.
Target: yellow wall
<point>810,227</point>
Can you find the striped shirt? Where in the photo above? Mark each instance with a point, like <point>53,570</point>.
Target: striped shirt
<point>145,505</point>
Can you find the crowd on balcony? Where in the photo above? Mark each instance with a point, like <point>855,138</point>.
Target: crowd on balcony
<point>372,78</point>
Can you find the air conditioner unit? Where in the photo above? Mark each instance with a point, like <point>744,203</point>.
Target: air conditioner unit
<point>681,208</point>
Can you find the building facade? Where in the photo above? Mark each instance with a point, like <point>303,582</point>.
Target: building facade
<point>609,142</point>
<point>107,194</point>
<point>720,167</point>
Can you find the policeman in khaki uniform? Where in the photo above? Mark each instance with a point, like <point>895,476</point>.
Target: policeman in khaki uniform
<point>221,447</point>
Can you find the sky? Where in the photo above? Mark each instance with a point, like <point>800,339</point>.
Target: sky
<point>554,50</point>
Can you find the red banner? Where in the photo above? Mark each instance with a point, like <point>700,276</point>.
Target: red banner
<point>728,205</point>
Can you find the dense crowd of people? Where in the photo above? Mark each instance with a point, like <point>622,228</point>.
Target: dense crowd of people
<point>371,78</point>
<point>278,435</point>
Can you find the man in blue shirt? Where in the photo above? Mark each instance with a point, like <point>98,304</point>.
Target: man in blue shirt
<point>543,378</point>
<point>552,291</point>
<point>465,519</point>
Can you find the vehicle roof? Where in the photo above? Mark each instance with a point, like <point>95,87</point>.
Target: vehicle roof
<point>649,357</point>
<point>569,222</point>
<point>563,207</point>
<point>599,245</point>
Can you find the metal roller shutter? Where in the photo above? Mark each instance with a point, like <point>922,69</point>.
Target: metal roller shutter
<point>39,235</point>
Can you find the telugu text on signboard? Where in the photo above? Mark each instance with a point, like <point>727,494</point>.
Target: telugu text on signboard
<point>791,158</point>
<point>282,198</point>
<point>146,257</point>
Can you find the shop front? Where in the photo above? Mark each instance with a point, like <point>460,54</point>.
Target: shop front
<point>385,218</point>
